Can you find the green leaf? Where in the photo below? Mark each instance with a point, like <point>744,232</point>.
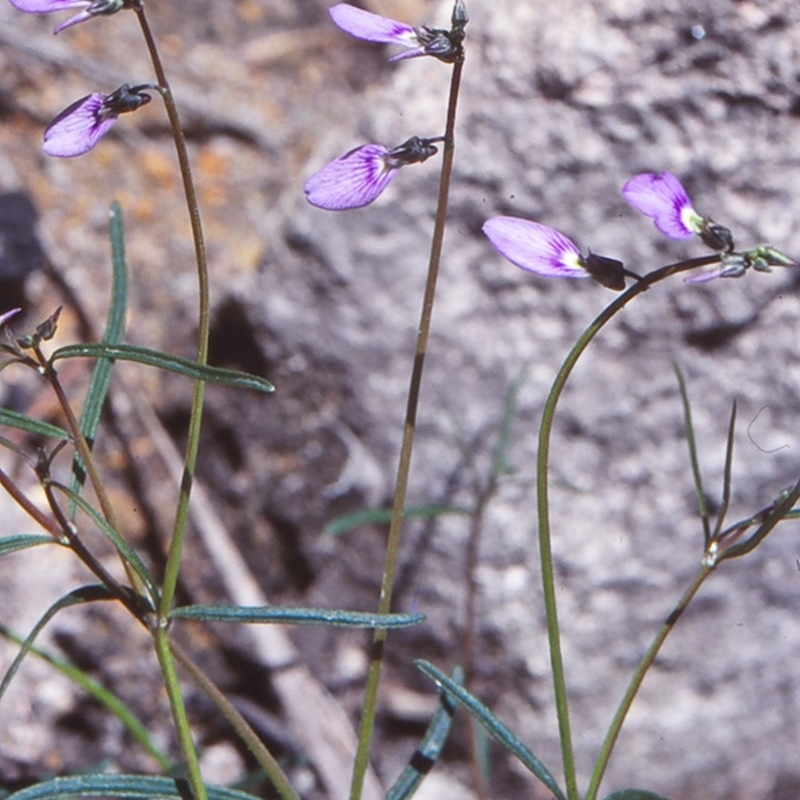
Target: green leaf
<point>165,361</point>
<point>123,548</point>
<point>85,594</point>
<point>101,375</point>
<point>692,442</point>
<point>11,544</point>
<point>426,755</point>
<point>119,709</point>
<point>634,794</point>
<point>493,725</point>
<point>383,516</point>
<point>132,787</point>
<point>296,616</point>
<point>726,481</point>
<point>24,423</point>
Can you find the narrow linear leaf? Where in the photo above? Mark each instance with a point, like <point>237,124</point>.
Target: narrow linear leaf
<point>119,709</point>
<point>123,548</point>
<point>85,594</point>
<point>692,442</point>
<point>14,419</point>
<point>101,375</point>
<point>380,516</point>
<point>430,746</point>
<point>165,361</point>
<point>634,794</point>
<point>296,616</point>
<point>726,481</point>
<point>493,725</point>
<point>128,786</point>
<point>11,544</point>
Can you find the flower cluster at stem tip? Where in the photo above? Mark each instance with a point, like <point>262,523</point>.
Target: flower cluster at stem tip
<point>360,175</point>
<point>80,126</point>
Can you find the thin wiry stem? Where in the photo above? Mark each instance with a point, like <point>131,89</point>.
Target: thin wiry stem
<point>172,569</point>
<point>543,508</point>
<point>404,467</point>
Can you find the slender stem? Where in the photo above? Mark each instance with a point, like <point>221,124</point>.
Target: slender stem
<point>193,440</point>
<point>264,758</point>
<point>85,452</point>
<point>81,445</point>
<point>179,717</point>
<point>542,496</point>
<point>404,466</point>
<point>192,446</point>
<point>29,508</point>
<point>638,677</point>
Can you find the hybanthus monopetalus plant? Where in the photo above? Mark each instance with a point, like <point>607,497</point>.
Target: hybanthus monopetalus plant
<point>354,180</point>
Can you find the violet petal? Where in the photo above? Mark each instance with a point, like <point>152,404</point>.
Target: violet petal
<point>46,6</point>
<point>372,27</point>
<point>535,247</point>
<point>662,197</point>
<point>82,17</point>
<point>7,315</point>
<point>78,128</point>
<point>352,180</point>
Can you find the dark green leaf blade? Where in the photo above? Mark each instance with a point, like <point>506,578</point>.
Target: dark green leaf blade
<point>165,361</point>
<point>10,544</point>
<point>101,375</point>
<point>693,459</point>
<point>634,794</point>
<point>378,516</point>
<point>129,555</point>
<point>133,787</point>
<point>14,419</point>
<point>280,615</point>
<point>493,725</point>
<point>430,746</point>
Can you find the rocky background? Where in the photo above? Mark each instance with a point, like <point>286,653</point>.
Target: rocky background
<point>561,103</point>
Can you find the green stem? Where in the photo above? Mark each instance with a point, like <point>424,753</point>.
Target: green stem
<point>192,446</point>
<point>179,717</point>
<point>264,758</point>
<point>404,466</point>
<point>172,567</point>
<point>542,497</point>
<point>637,678</point>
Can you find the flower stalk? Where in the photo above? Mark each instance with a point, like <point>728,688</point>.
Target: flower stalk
<point>543,503</point>
<point>409,429</point>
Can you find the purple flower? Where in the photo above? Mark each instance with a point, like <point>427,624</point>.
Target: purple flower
<point>359,176</point>
<point>91,8</point>
<point>421,41</point>
<point>6,315</point>
<point>78,128</point>
<point>547,252</point>
<point>661,197</point>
